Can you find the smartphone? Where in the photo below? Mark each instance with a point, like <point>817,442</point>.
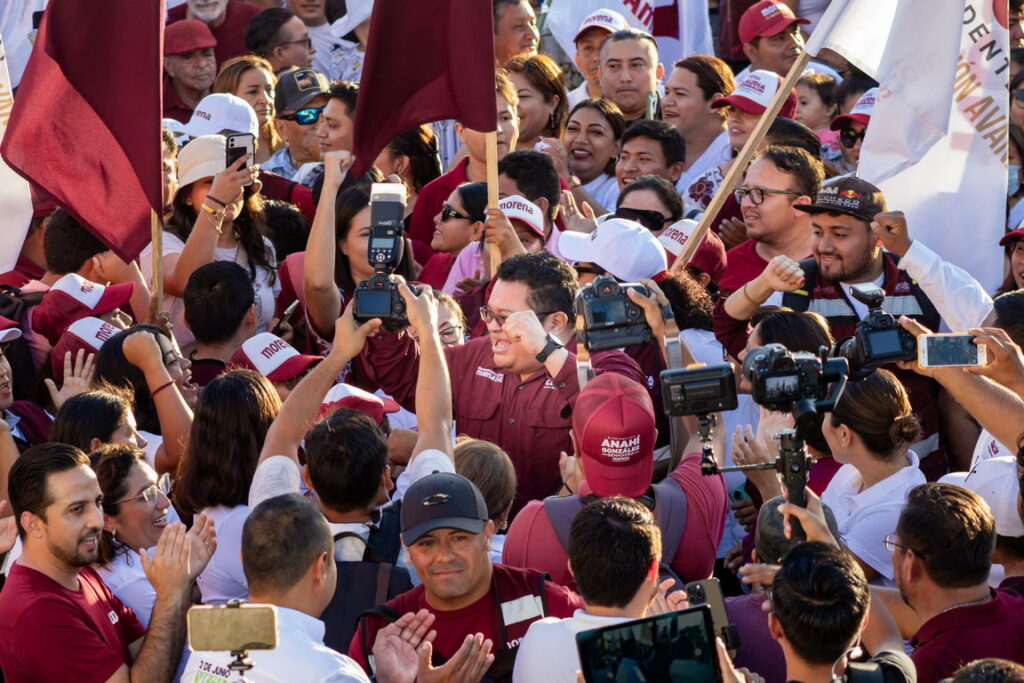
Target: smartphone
<point>677,646</point>
<point>709,592</point>
<point>229,628</point>
<point>240,144</point>
<point>286,315</point>
<point>949,351</point>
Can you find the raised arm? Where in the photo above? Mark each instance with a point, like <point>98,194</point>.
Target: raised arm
<point>782,274</point>
<point>323,301</point>
<point>303,403</point>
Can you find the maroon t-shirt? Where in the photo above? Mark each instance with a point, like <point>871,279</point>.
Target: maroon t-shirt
<point>230,34</point>
<point>744,264</point>
<point>758,650</point>
<point>435,272</point>
<point>951,639</point>
<point>205,370</point>
<point>53,633</point>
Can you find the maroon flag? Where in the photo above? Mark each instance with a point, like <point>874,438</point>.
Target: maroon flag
<point>425,61</point>
<point>86,120</point>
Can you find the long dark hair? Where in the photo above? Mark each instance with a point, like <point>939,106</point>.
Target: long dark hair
<point>92,415</point>
<point>474,200</point>
<point>419,146</point>
<point>346,207</point>
<point>112,464</point>
<point>250,226</point>
<point>231,421</point>
<point>114,369</point>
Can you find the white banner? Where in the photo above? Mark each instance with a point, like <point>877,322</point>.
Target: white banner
<point>15,198</point>
<point>681,27</point>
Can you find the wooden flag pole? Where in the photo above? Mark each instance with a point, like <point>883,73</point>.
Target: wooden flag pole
<point>156,287</point>
<point>491,143</point>
<point>739,164</point>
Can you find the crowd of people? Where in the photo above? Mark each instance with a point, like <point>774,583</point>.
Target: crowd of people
<point>451,499</point>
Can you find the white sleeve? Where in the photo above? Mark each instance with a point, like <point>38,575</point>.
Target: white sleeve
<point>957,296</point>
<point>274,476</point>
<point>422,464</point>
<point>865,538</point>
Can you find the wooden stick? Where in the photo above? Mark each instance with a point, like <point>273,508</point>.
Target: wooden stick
<point>739,164</point>
<point>156,287</point>
<point>491,143</point>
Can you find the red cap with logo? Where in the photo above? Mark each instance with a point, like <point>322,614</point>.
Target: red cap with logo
<point>709,257</point>
<point>272,357</point>
<point>754,93</point>
<point>614,425</point>
<point>87,334</point>
<point>72,298</point>
<point>766,18</point>
<point>354,398</point>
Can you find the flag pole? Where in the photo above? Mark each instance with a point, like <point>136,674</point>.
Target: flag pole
<point>739,164</point>
<point>156,287</point>
<point>491,143</point>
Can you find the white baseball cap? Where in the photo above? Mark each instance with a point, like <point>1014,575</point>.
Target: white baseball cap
<point>624,248</point>
<point>517,208</point>
<point>177,129</point>
<point>608,19</point>
<point>272,357</point>
<point>219,112</point>
<point>754,93</point>
<point>861,112</point>
<point>995,480</point>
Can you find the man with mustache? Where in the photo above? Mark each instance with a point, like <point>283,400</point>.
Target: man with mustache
<point>771,36</point>
<point>629,70</point>
<point>226,19</point>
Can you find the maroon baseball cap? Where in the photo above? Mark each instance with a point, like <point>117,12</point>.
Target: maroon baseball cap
<point>766,18</point>
<point>613,421</point>
<point>709,257</point>
<point>72,298</point>
<point>88,334</point>
<point>354,398</point>
<point>1012,235</point>
<point>272,357</point>
<point>187,35</point>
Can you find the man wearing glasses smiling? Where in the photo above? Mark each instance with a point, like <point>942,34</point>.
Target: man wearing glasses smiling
<point>299,101</point>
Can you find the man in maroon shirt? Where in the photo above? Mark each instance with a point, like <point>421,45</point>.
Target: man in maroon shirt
<point>60,621</point>
<point>613,439</point>
<point>515,387</point>
<point>446,534</point>
<point>189,68</point>
<point>942,554</point>
<point>228,20</point>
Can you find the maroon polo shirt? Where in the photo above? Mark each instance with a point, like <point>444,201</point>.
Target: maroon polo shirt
<point>174,108</point>
<point>951,639</point>
<point>230,34</point>
<point>529,418</point>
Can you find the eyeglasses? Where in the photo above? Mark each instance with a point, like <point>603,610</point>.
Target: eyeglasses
<point>1017,97</point>
<point>151,493</point>
<point>303,116</point>
<point>652,220</point>
<point>448,213</point>
<point>489,316</point>
<point>756,194</point>
<point>307,41</point>
<point>890,544</point>
<point>450,333</point>
<point>589,269</point>
<point>848,138</point>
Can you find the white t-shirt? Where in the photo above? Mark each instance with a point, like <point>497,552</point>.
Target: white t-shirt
<point>717,153</point>
<point>266,293</point>
<point>866,517</point>
<point>300,656</point>
<point>548,650</point>
<point>324,42</point>
<point>811,10</point>
<point>605,190</point>
<point>988,447</point>
<point>223,579</point>
<point>153,444</point>
<point>577,95</point>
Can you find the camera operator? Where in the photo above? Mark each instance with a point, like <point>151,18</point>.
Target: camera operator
<point>846,252</point>
<point>613,438</point>
<point>516,386</point>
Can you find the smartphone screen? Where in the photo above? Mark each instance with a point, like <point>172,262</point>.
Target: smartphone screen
<point>678,646</point>
<point>238,145</point>
<point>949,350</point>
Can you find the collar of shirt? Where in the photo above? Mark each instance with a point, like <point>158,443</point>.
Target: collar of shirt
<point>280,162</point>
<point>970,616</point>
<point>299,625</point>
<point>883,490</point>
<point>12,421</point>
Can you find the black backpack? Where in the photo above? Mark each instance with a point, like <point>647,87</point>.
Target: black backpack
<point>362,585</point>
<point>14,305</point>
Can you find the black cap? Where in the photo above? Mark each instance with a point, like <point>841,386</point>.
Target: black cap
<point>848,195</point>
<point>296,87</point>
<point>442,501</point>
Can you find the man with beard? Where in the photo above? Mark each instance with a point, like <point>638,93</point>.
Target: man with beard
<point>226,19</point>
<point>845,252</point>
<point>60,620</point>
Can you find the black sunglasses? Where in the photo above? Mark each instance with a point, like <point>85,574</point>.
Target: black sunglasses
<point>848,138</point>
<point>304,116</point>
<point>448,213</point>
<point>652,220</point>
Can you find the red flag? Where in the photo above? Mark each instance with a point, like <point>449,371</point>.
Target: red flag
<point>86,121</point>
<point>425,61</point>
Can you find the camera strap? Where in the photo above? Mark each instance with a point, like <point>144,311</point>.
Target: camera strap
<point>672,349</point>
<point>584,366</point>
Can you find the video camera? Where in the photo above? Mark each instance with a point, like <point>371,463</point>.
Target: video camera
<point>878,339</point>
<point>611,319</point>
<point>796,382</point>
<point>378,297</point>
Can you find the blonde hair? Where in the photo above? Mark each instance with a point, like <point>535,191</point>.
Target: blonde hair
<point>490,468</point>
<point>230,76</point>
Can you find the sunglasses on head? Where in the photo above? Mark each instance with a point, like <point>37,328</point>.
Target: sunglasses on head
<point>848,138</point>
<point>652,220</point>
<point>304,116</point>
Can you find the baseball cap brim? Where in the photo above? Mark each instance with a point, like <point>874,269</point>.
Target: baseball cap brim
<point>1013,234</point>
<point>414,533</point>
<point>844,121</point>
<point>114,297</point>
<point>778,26</point>
<point>292,367</point>
<point>10,334</point>
<point>815,209</point>
<point>744,104</point>
<point>576,246</point>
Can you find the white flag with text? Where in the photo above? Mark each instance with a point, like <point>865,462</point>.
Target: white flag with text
<point>15,198</point>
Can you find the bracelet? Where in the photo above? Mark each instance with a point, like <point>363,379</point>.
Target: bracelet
<point>571,492</point>
<point>747,296</point>
<point>160,388</point>
<point>216,214</point>
<point>212,198</point>
<point>574,182</point>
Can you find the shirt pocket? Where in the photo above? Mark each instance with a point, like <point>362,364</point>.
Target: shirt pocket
<point>479,418</point>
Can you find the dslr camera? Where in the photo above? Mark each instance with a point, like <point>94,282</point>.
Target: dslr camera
<point>378,297</point>
<point>611,319</point>
<point>699,391</point>
<point>798,381</point>
<point>878,339</point>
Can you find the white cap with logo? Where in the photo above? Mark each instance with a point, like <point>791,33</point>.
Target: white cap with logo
<point>222,112</point>
<point>624,248</point>
<point>608,19</point>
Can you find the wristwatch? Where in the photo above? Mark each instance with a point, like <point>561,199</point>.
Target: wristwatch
<point>553,345</point>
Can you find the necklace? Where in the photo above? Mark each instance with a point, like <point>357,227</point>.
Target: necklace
<point>966,604</point>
